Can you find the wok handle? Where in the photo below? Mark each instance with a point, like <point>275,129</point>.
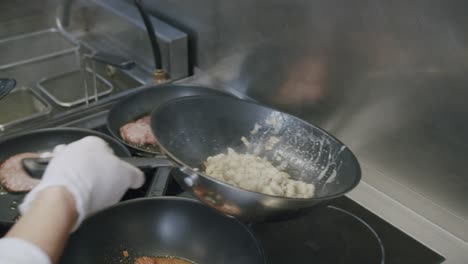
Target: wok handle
<point>36,166</point>
<point>149,162</point>
<point>158,185</point>
<point>190,177</point>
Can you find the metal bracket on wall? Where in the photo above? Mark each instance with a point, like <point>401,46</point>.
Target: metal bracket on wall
<point>120,23</point>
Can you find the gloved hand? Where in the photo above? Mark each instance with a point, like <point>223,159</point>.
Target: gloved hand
<point>90,171</point>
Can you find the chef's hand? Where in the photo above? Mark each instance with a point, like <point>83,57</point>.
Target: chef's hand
<point>89,170</point>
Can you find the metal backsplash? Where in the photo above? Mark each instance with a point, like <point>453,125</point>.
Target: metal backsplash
<point>23,16</point>
<point>118,24</point>
<point>389,78</point>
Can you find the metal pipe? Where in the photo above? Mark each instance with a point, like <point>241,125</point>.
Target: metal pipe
<point>151,35</point>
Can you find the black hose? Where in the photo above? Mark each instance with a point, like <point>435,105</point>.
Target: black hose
<point>151,35</point>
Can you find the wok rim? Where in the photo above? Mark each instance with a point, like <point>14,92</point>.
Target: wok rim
<point>358,171</point>
<point>248,230</point>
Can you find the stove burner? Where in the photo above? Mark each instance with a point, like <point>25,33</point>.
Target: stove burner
<point>327,235</point>
<point>340,232</point>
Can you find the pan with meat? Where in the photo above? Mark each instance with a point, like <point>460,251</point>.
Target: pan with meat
<point>129,120</point>
<point>138,133</point>
<point>15,182</point>
<point>12,175</point>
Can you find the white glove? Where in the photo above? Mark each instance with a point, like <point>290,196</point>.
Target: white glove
<point>90,171</point>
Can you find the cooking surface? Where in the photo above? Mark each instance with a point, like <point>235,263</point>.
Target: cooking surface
<point>328,235</point>
<point>341,231</point>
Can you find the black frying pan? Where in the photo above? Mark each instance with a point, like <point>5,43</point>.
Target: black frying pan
<point>144,102</point>
<point>162,226</point>
<point>38,141</point>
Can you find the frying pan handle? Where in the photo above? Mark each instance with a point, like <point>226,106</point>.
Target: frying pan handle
<point>149,162</point>
<point>160,182</point>
<point>36,166</point>
<point>190,177</point>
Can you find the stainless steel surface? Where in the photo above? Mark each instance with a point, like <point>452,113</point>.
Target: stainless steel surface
<point>30,73</point>
<point>34,46</point>
<point>113,60</point>
<point>191,129</point>
<point>412,223</point>
<point>33,49</point>
<point>95,26</point>
<point>386,77</point>
<point>67,90</point>
<point>6,85</point>
<point>118,24</point>
<point>23,16</point>
<point>32,106</point>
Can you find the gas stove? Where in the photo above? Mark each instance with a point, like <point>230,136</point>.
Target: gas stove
<point>337,232</point>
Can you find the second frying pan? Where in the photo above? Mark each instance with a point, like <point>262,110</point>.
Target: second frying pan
<point>143,102</point>
<point>39,141</point>
<point>162,226</point>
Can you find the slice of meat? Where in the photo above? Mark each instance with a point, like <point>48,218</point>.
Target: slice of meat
<point>145,120</point>
<point>12,175</point>
<point>160,260</point>
<point>138,132</point>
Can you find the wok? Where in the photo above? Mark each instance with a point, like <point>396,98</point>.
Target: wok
<point>162,226</point>
<point>39,141</point>
<point>191,129</point>
<point>143,103</point>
